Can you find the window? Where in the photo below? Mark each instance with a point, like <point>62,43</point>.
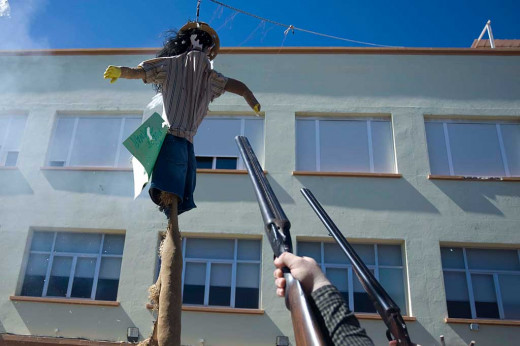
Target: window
<point>384,261</point>
<point>91,141</point>
<point>481,283</point>
<point>353,145</point>
<point>11,131</point>
<point>215,146</point>
<point>473,148</point>
<point>73,265</point>
<point>221,272</point>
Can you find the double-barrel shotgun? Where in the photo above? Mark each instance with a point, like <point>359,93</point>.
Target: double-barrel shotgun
<point>306,328</point>
<point>385,306</point>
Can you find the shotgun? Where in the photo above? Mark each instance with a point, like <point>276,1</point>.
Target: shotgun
<point>306,330</point>
<point>385,306</point>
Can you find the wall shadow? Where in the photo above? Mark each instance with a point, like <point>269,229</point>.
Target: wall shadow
<point>74,321</point>
<point>113,183</point>
<point>228,329</point>
<point>12,183</point>
<point>486,335</point>
<point>379,194</point>
<point>233,188</point>
<point>476,196</point>
<point>376,330</point>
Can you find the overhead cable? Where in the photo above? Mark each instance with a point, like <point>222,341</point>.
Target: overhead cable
<point>293,28</point>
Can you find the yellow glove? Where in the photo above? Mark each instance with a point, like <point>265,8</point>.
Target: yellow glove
<point>256,108</point>
<point>112,73</point>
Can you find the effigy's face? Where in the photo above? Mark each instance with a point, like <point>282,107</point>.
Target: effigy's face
<point>195,43</point>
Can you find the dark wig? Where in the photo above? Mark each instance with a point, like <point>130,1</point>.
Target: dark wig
<point>178,42</point>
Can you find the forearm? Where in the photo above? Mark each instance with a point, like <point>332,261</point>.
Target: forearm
<point>341,324</point>
<point>132,72</point>
<point>237,87</point>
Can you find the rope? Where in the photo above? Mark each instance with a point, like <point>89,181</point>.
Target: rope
<point>292,28</point>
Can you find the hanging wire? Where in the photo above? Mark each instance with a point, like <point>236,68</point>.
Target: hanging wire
<point>293,28</point>
<point>198,10</point>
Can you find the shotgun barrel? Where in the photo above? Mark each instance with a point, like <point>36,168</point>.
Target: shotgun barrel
<point>385,306</point>
<point>306,329</point>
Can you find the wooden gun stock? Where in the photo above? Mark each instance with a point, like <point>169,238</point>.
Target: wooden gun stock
<point>306,331</point>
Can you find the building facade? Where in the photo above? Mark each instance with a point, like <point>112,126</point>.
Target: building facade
<point>414,153</point>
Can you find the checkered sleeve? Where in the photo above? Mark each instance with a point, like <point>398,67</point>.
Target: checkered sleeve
<point>340,322</point>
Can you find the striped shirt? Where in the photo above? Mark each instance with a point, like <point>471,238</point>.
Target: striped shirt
<point>188,86</point>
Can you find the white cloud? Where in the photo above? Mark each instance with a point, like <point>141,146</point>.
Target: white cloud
<point>15,25</point>
<point>5,9</point>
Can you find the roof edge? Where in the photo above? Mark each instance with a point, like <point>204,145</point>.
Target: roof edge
<point>276,50</point>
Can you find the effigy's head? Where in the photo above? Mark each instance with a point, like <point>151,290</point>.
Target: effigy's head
<point>201,36</point>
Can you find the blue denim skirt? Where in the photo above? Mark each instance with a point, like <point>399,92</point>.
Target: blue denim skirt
<point>175,171</point>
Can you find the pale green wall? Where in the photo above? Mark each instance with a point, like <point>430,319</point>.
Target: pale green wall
<point>414,211</point>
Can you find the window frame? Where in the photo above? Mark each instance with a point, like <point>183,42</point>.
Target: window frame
<point>77,116</point>
<point>10,118</point>
<point>52,254</point>
<point>234,264</point>
<point>242,118</point>
<point>446,121</point>
<point>372,267</point>
<point>468,272</point>
<point>368,120</point>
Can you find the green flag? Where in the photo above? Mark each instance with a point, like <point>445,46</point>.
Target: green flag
<point>144,144</point>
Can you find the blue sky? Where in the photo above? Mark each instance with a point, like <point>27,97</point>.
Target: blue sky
<point>55,24</point>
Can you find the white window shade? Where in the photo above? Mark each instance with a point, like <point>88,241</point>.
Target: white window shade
<point>483,149</point>
<point>344,146</point>
<point>195,274</point>
<point>475,150</point>
<point>91,141</point>
<point>305,145</point>
<point>110,268</point>
<point>96,142</point>
<point>437,150</point>
<point>356,145</point>
<point>86,267</point>
<point>216,137</point>
<point>210,248</point>
<point>248,275</point>
<point>383,147</point>
<point>220,275</point>
<point>11,133</point>
<point>61,141</point>
<point>339,277</point>
<point>511,137</point>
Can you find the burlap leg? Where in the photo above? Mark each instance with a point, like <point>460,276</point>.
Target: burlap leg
<point>170,295</point>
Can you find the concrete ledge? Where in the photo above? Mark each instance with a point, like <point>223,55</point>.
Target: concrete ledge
<point>64,301</point>
<point>482,321</point>
<point>377,317</point>
<point>12,340</point>
<point>348,174</point>
<point>217,309</point>
<point>462,177</point>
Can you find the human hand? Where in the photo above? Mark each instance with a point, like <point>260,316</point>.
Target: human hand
<point>303,269</point>
<point>112,73</point>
